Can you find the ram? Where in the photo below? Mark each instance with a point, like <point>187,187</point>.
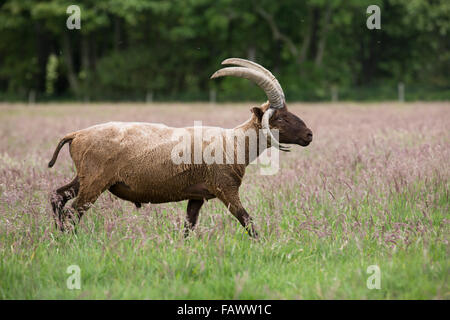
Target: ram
<point>134,161</point>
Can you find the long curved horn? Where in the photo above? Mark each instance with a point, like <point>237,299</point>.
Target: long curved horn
<point>254,66</point>
<point>264,82</point>
<point>275,96</point>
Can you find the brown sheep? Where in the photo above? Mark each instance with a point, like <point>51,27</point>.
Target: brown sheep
<point>134,161</point>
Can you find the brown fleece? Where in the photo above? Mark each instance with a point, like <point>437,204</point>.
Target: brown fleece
<point>133,160</point>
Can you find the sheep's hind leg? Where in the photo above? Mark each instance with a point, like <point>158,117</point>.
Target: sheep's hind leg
<point>233,202</point>
<point>193,208</point>
<point>87,195</point>
<point>59,199</point>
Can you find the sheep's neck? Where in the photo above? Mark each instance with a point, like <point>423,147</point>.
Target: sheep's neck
<point>250,128</point>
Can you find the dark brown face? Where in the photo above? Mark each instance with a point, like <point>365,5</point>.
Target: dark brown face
<point>292,129</point>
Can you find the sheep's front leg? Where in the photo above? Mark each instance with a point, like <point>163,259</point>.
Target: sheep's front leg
<point>193,208</point>
<point>233,202</point>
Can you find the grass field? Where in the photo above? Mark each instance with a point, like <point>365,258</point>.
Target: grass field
<point>371,189</point>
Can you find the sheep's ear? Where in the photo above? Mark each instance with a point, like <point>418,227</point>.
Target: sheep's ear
<point>258,113</point>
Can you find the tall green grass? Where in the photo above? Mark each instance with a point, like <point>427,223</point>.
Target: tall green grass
<point>295,262</point>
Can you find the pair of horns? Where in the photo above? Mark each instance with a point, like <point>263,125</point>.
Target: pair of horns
<point>266,81</point>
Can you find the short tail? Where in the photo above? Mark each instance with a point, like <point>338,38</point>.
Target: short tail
<point>60,145</point>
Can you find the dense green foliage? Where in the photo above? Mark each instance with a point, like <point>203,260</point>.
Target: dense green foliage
<point>168,49</point>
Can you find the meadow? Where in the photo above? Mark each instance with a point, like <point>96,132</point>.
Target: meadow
<point>371,189</point>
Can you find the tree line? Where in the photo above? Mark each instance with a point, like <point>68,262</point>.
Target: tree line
<point>167,50</point>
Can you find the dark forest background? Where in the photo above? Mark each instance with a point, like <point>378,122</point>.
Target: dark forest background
<point>140,50</point>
